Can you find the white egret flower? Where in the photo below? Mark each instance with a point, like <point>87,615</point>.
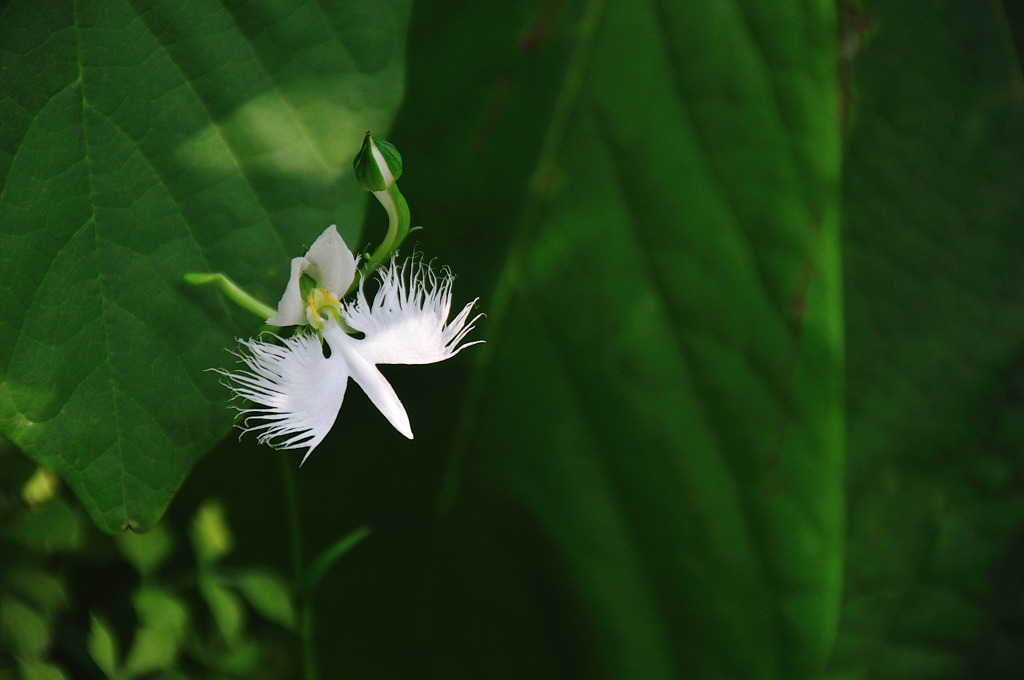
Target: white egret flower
<point>297,384</point>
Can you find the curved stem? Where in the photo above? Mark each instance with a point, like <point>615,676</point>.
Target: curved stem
<point>387,199</point>
<point>399,226</point>
<point>233,291</point>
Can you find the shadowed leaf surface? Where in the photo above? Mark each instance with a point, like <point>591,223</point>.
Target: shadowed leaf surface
<point>650,469</point>
<point>933,248</point>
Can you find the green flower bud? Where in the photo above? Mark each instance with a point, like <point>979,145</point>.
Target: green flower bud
<point>378,164</point>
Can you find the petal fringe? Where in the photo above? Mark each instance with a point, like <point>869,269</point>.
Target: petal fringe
<point>407,321</point>
<point>296,391</point>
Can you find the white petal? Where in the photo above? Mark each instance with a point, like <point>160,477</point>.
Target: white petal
<point>366,375</point>
<point>407,322</point>
<point>332,266</point>
<point>296,391</point>
<point>291,310</point>
<point>331,263</point>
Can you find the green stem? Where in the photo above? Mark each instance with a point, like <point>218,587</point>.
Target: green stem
<point>234,292</point>
<point>306,631</point>
<point>304,602</point>
<point>399,225</point>
<point>387,199</point>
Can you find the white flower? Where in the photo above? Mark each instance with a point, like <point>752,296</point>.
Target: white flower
<point>330,263</point>
<point>297,391</point>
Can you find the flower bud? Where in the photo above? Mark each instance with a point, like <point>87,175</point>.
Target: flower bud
<point>378,164</point>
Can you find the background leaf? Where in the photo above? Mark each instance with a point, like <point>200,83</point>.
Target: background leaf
<point>163,627</point>
<point>102,646</point>
<point>270,596</point>
<point>645,477</point>
<point>143,140</point>
<point>23,629</point>
<point>226,607</point>
<point>39,670</point>
<point>656,452</point>
<point>933,249</point>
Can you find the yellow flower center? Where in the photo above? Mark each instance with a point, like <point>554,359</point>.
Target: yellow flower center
<point>319,303</point>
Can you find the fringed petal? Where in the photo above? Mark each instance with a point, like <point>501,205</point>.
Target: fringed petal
<point>366,375</point>
<point>296,391</point>
<point>407,321</point>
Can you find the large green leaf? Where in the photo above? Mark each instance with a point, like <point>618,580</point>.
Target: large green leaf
<point>141,140</point>
<point>934,248</point>
<point>649,482</point>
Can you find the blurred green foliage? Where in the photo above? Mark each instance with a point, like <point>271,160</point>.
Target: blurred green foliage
<point>69,601</point>
<point>750,404</point>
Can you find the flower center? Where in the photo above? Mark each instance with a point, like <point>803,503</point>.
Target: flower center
<point>320,303</point>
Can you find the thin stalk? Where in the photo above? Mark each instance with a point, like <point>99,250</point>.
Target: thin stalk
<point>399,226</point>
<point>303,603</point>
<point>233,291</point>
